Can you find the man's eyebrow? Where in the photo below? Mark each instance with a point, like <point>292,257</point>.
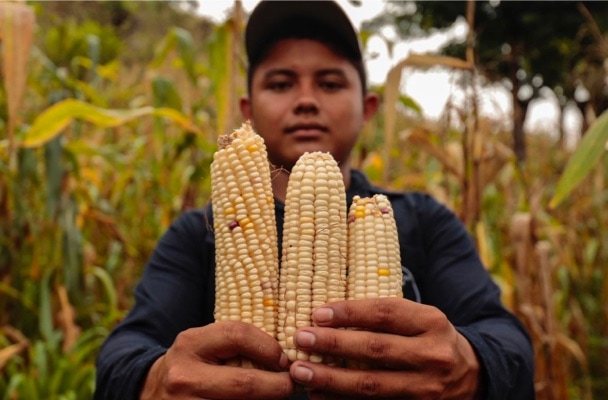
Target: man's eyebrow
<point>331,71</point>
<point>286,72</point>
<point>279,72</point>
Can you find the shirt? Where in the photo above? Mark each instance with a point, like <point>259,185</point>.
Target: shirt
<point>441,268</point>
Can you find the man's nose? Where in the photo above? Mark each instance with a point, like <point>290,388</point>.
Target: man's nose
<point>307,101</point>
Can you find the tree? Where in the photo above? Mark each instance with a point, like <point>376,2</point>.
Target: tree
<point>522,45</point>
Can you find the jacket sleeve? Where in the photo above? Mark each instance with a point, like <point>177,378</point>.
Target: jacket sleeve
<point>174,294</point>
<point>456,282</point>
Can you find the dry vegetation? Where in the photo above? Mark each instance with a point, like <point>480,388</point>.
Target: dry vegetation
<point>98,156</point>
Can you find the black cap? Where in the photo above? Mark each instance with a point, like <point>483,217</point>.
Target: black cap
<point>270,15</point>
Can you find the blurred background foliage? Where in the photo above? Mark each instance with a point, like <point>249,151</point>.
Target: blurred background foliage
<point>109,112</point>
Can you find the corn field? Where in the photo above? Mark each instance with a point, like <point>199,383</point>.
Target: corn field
<point>98,154</point>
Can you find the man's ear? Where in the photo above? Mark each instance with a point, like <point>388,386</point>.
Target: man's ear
<point>245,106</point>
<point>371,102</point>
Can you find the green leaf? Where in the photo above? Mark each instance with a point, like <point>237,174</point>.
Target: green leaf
<point>108,285</point>
<point>583,160</point>
<point>410,103</point>
<point>165,94</point>
<point>45,311</point>
<point>56,118</point>
<point>30,389</point>
<point>185,45</point>
<point>79,380</point>
<point>15,382</point>
<point>41,363</point>
<point>57,381</point>
<point>93,47</point>
<point>223,74</point>
<point>182,39</point>
<point>72,245</point>
<point>54,176</point>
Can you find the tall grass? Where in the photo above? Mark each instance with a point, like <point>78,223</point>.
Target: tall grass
<point>96,159</point>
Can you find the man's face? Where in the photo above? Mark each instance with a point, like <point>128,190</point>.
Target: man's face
<point>304,97</point>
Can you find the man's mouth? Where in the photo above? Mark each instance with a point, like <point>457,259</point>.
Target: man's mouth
<point>306,130</point>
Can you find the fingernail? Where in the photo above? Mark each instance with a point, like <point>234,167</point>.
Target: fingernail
<point>323,314</point>
<point>283,361</point>
<point>302,374</point>
<point>305,339</point>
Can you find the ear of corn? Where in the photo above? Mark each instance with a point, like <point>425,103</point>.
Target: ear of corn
<point>318,241</point>
<point>314,246</point>
<point>246,256</point>
<point>374,260</point>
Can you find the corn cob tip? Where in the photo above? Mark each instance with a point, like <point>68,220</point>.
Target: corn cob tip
<point>245,130</point>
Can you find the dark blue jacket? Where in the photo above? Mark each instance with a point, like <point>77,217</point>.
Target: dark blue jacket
<point>441,268</point>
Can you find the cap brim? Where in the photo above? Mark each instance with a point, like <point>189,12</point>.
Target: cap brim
<point>270,14</point>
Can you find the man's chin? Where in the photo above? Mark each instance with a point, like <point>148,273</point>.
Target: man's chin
<point>304,147</point>
<point>296,150</point>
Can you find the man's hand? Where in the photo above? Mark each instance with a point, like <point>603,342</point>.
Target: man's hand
<point>412,350</point>
<point>197,366</point>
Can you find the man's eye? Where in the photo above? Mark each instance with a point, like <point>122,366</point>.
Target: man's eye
<point>279,85</point>
<point>331,85</point>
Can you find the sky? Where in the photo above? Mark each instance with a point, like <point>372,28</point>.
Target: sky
<point>430,89</point>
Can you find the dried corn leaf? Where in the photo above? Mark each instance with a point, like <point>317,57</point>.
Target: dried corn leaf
<point>572,348</point>
<point>16,33</point>
<point>66,317</point>
<point>9,352</point>
<point>420,138</point>
<point>430,60</point>
<point>392,89</point>
<point>14,349</point>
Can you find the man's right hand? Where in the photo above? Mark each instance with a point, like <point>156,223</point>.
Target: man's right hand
<point>197,366</point>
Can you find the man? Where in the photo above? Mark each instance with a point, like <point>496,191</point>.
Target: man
<point>449,339</point>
